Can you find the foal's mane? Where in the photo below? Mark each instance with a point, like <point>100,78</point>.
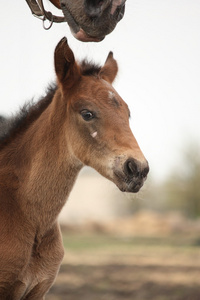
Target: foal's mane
<point>11,126</point>
<point>88,68</point>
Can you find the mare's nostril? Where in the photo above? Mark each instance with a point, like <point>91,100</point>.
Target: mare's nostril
<point>93,8</point>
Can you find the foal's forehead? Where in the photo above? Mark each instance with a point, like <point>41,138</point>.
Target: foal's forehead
<point>96,92</point>
<point>110,97</point>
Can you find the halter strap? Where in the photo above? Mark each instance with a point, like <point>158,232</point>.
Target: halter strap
<point>38,11</point>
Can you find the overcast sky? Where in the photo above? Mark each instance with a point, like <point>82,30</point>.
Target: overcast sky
<point>157,46</point>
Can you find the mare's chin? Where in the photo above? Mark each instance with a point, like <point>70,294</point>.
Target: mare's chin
<point>82,36</point>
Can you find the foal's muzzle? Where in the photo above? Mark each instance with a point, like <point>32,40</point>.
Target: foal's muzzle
<point>132,176</point>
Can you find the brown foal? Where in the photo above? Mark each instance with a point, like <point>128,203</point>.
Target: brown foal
<point>81,121</point>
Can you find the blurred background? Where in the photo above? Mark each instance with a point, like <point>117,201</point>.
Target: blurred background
<point>123,246</point>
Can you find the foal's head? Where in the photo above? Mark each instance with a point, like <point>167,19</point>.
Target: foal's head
<point>98,120</point>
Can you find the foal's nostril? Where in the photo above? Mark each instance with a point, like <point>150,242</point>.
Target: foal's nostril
<point>130,168</point>
<point>134,168</point>
<point>144,172</point>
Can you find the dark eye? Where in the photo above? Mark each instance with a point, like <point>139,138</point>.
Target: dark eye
<point>87,115</point>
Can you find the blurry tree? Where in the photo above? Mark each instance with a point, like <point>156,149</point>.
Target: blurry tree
<point>182,189</point>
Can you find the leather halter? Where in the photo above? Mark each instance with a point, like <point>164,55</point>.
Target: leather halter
<point>38,10</point>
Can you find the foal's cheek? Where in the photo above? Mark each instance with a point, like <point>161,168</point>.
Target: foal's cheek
<point>88,132</point>
<point>94,134</point>
<point>85,137</point>
<point>80,136</point>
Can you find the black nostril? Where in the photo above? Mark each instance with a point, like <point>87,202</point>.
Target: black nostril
<point>93,8</point>
<point>134,168</point>
<point>130,168</point>
<point>144,172</point>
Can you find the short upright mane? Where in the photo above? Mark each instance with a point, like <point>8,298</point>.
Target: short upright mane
<point>89,68</point>
<point>9,127</point>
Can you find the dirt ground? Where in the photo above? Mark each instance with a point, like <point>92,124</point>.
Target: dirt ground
<point>106,268</point>
<point>121,282</point>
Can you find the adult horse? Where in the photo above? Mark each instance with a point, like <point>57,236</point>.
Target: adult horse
<point>81,121</point>
<point>89,20</point>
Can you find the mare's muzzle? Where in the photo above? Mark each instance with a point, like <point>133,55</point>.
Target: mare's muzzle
<point>92,20</point>
<point>95,8</point>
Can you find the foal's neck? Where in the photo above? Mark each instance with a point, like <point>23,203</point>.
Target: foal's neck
<point>48,170</point>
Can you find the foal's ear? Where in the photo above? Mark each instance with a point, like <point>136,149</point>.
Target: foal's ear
<point>109,71</point>
<point>67,70</point>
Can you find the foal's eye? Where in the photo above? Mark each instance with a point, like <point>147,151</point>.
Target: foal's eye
<point>87,115</point>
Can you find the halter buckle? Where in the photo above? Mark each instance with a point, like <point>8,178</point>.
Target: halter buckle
<point>50,21</point>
